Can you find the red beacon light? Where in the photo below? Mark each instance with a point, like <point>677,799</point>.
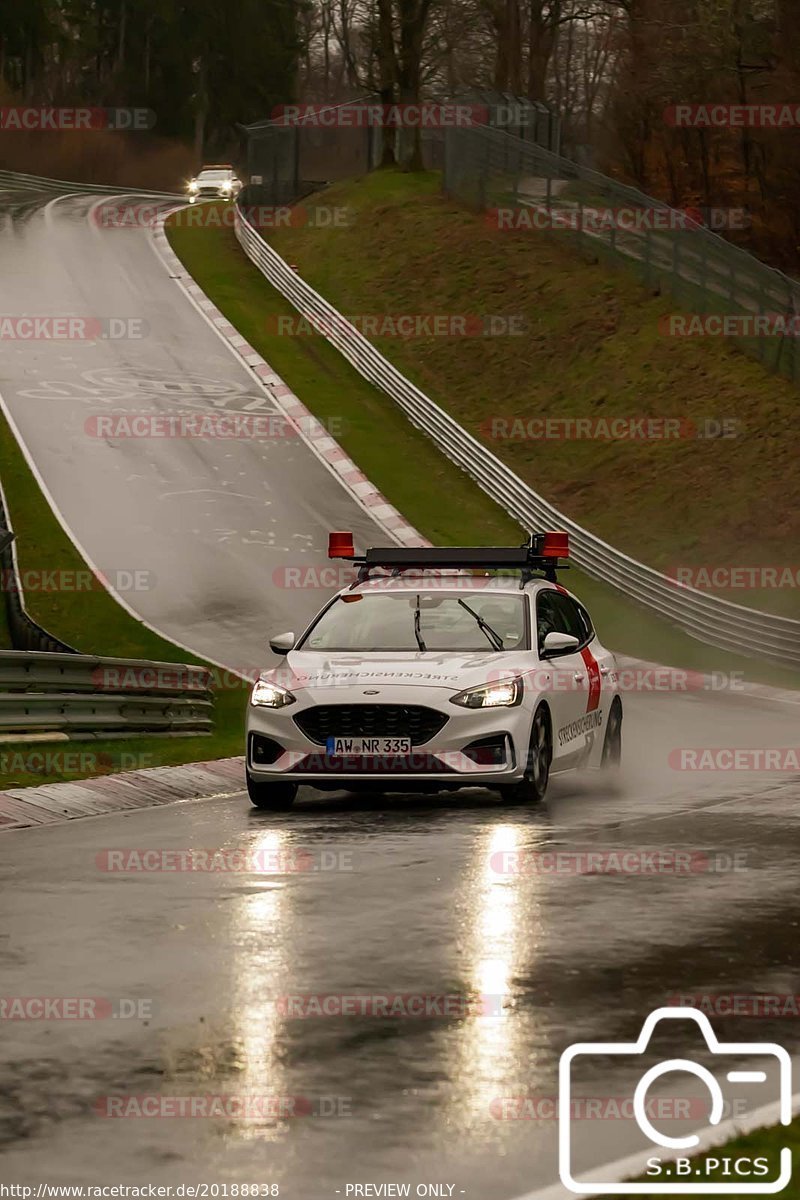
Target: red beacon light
<point>555,545</point>
<point>340,545</point>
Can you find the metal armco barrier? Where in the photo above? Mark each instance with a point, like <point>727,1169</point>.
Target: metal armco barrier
<point>45,685</point>
<point>19,181</point>
<point>709,619</point>
<point>26,634</point>
<point>80,693</point>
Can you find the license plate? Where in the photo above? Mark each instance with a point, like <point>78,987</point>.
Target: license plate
<point>365,746</point>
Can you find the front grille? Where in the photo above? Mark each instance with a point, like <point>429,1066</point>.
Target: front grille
<point>370,720</point>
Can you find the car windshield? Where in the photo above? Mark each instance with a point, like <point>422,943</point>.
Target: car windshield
<point>420,621</point>
<point>214,176</point>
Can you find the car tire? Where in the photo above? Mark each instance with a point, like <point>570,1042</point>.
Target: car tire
<point>275,797</point>
<point>611,758</point>
<point>532,788</point>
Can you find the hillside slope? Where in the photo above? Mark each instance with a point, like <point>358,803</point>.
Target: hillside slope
<point>592,348</point>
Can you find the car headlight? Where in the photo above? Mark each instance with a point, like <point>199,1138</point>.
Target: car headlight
<point>192,185</point>
<point>269,695</point>
<point>503,694</point>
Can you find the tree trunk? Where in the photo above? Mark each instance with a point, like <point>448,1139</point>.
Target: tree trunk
<point>387,74</point>
<point>541,39</point>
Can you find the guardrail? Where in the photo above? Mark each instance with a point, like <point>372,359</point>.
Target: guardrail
<point>46,686</point>
<point>84,693</point>
<point>708,618</point>
<point>17,179</point>
<point>26,634</point>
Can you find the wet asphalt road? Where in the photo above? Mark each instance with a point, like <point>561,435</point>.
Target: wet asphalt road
<point>208,521</point>
<point>413,900</point>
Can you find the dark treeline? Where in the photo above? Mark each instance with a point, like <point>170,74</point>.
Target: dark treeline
<point>200,65</point>
<point>614,70</point>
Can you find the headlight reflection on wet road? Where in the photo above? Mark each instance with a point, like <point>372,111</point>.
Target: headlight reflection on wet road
<point>501,939</point>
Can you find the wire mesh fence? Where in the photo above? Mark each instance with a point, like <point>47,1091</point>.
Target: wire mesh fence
<point>527,186</point>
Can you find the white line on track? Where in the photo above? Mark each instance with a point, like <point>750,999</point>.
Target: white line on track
<point>87,557</point>
<point>310,443</point>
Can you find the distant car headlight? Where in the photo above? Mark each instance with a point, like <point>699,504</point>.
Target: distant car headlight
<point>192,185</point>
<point>269,695</point>
<point>503,694</point>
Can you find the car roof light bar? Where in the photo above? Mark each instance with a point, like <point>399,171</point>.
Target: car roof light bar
<point>541,552</point>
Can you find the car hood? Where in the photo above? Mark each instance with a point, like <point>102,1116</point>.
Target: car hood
<point>319,670</point>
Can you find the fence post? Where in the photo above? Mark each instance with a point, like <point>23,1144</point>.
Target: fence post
<point>647,256</point>
<point>676,265</point>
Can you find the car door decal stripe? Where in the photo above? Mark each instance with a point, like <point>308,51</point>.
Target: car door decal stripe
<point>592,669</point>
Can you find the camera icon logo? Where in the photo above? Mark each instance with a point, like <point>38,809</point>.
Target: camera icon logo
<point>688,1179</point>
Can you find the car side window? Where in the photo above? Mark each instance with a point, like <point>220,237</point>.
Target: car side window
<point>587,621</point>
<point>557,613</point>
<point>572,620</point>
<point>548,618</point>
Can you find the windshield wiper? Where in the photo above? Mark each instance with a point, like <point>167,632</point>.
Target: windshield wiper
<point>417,633</point>
<point>492,634</point>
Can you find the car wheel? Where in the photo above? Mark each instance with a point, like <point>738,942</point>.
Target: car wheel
<point>612,746</point>
<point>278,797</point>
<point>532,788</point>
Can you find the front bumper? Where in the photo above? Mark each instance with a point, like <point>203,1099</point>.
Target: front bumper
<point>439,760</point>
<point>212,194</point>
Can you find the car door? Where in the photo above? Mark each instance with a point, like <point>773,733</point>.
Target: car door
<point>577,691</point>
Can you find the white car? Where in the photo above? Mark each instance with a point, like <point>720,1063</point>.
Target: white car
<point>219,183</point>
<point>430,673</point>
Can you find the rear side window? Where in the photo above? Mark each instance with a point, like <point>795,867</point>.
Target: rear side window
<point>557,613</point>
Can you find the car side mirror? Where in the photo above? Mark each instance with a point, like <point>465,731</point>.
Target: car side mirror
<point>282,643</point>
<point>559,643</point>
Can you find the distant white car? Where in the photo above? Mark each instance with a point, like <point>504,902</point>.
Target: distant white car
<point>430,673</point>
<point>218,182</point>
